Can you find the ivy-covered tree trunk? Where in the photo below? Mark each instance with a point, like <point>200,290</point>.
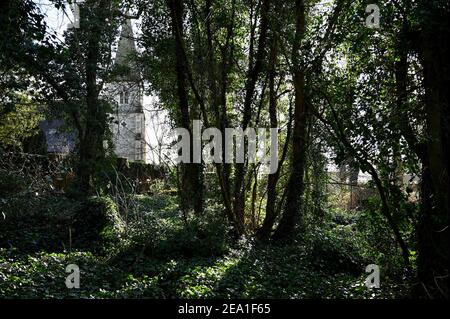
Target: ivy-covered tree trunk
<point>191,192</point>
<point>295,187</point>
<point>269,219</point>
<point>91,151</point>
<point>433,228</point>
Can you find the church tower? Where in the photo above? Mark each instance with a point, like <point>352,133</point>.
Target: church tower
<point>126,92</point>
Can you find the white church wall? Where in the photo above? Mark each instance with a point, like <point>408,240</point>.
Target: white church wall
<point>127,120</point>
<point>128,130</point>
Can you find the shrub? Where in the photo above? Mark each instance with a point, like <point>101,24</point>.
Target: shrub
<point>11,183</point>
<point>205,235</point>
<point>336,250</point>
<point>33,222</point>
<point>97,220</point>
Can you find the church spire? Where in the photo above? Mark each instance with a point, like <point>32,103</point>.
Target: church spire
<point>127,48</point>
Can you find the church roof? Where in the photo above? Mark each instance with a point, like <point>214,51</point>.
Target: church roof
<point>58,141</point>
<point>126,49</point>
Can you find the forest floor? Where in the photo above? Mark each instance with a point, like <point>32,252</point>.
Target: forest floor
<point>157,256</point>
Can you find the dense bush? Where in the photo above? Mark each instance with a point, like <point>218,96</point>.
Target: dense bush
<point>336,250</point>
<point>11,183</point>
<point>158,229</point>
<point>381,246</point>
<point>96,217</point>
<point>31,222</point>
<point>205,235</point>
<point>34,222</point>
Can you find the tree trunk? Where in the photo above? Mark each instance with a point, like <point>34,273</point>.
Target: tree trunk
<point>433,232</point>
<point>295,187</point>
<point>269,220</point>
<point>252,78</point>
<point>191,192</point>
<point>91,150</point>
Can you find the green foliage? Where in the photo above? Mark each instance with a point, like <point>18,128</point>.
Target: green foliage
<point>156,229</point>
<point>178,262</point>
<point>33,222</point>
<point>96,217</point>
<point>336,249</point>
<point>381,247</point>
<point>206,235</point>
<point>11,183</point>
<point>19,125</point>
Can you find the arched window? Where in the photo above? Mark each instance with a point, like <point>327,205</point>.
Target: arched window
<point>124,97</point>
